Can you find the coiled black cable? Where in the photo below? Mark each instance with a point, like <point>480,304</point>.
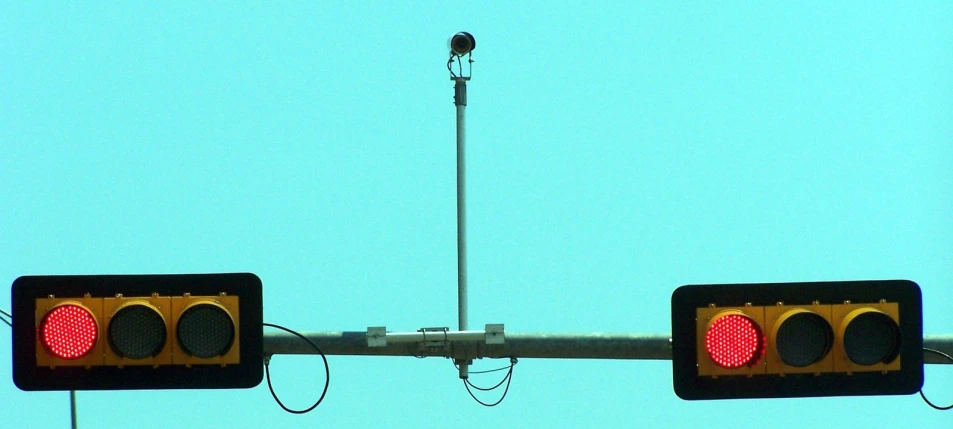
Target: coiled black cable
<point>507,379</point>
<point>327,372</point>
<point>921,390</point>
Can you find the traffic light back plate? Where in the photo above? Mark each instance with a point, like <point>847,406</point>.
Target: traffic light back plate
<point>899,300</point>
<point>241,368</point>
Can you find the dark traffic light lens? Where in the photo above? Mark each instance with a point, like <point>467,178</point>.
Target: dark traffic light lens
<point>137,331</point>
<point>69,331</point>
<point>734,341</point>
<point>803,338</point>
<point>205,330</point>
<point>871,337</point>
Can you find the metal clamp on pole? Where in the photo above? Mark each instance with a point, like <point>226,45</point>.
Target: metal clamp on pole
<point>377,336</point>
<point>494,333</point>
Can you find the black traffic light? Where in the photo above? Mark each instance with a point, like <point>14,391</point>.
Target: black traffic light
<point>103,332</point>
<point>776,340</point>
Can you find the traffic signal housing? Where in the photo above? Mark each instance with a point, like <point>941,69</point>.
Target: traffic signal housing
<point>105,332</point>
<point>775,340</point>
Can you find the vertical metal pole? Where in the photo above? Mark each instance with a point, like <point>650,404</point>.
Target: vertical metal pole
<point>460,100</point>
<point>72,408</point>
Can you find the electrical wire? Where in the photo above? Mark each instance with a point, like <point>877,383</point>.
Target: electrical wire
<point>507,379</point>
<point>489,370</point>
<point>450,65</point>
<point>484,372</point>
<point>488,389</point>
<point>4,319</point>
<point>921,390</point>
<point>459,59</point>
<point>410,350</point>
<point>327,372</point>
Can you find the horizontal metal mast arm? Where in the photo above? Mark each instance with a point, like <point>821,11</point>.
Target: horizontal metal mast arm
<point>520,345</point>
<point>583,346</point>
<point>942,343</point>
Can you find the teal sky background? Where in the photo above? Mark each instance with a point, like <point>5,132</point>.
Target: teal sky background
<point>615,152</point>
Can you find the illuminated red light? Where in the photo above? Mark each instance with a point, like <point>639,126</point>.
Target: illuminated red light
<point>734,341</point>
<point>69,331</point>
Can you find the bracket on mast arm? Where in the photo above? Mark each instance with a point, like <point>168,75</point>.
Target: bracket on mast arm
<point>377,336</point>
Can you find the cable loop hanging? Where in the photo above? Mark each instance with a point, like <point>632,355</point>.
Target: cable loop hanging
<point>327,372</point>
<point>950,407</point>
<point>507,379</point>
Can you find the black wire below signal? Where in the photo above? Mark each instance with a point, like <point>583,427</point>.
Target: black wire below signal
<point>921,390</point>
<point>508,378</point>
<point>4,319</point>
<point>327,372</point>
<point>485,371</point>
<point>488,389</point>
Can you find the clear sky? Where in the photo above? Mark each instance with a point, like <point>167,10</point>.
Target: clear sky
<point>616,152</point>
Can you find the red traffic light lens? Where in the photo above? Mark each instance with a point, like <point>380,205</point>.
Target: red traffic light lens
<point>734,340</point>
<point>69,331</point>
